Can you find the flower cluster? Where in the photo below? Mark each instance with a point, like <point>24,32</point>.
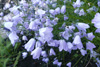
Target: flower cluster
<point>35,23</point>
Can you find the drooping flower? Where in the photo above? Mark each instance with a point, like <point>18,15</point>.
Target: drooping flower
<point>63,45</point>
<point>29,46</point>
<point>77,11</point>
<point>43,53</point>
<point>6,6</point>
<point>45,60</point>
<point>96,19</point>
<point>90,36</point>
<point>13,38</point>
<point>90,46</point>
<point>63,9</point>
<point>36,53</point>
<point>82,13</point>
<point>55,61</point>
<point>57,10</point>
<point>98,3</point>
<point>34,25</point>
<point>46,33</point>
<point>97,25</point>
<point>52,52</point>
<point>24,38</point>
<point>70,45</point>
<point>59,64</point>
<point>77,42</point>
<point>53,43</point>
<point>66,34</point>
<point>83,52</point>
<point>65,17</point>
<point>14,10</point>
<point>24,54</point>
<point>94,54</point>
<point>68,64</point>
<point>77,3</point>
<point>40,12</point>
<point>82,26</point>
<point>38,44</point>
<point>97,30</point>
<point>52,11</point>
<point>9,25</point>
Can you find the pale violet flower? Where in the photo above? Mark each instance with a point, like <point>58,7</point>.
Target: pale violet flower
<point>66,34</point>
<point>34,25</point>
<point>45,60</point>
<point>90,46</point>
<point>38,44</point>
<point>94,54</point>
<point>36,53</point>
<point>97,30</point>
<point>35,1</point>
<point>57,10</point>
<point>63,9</point>
<point>55,61</point>
<point>68,64</point>
<point>83,52</point>
<point>65,17</point>
<point>14,9</point>
<point>59,64</point>
<point>90,36</point>
<point>82,26</point>
<point>54,5</point>
<point>70,45</point>
<point>53,43</point>
<point>9,25</point>
<point>77,3</point>
<point>6,6</point>
<point>96,19</point>
<point>46,33</point>
<point>24,38</point>
<point>1,13</point>
<point>97,25</point>
<point>52,52</point>
<point>52,11</point>
<point>44,54</point>
<point>81,12</point>
<point>29,46</point>
<point>77,42</point>
<point>63,45</point>
<point>98,3</point>
<point>24,55</point>
<point>77,11</point>
<point>40,12</point>
<point>13,38</point>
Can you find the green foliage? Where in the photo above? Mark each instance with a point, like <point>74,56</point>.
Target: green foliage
<point>8,56</point>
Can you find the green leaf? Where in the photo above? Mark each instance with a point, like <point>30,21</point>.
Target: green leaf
<point>17,58</point>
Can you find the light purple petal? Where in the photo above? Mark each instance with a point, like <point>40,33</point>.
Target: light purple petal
<point>63,45</point>
<point>77,42</point>
<point>29,46</point>
<point>43,53</point>
<point>97,30</point>
<point>13,37</point>
<point>83,52</point>
<point>90,46</point>
<point>68,64</point>
<point>63,9</point>
<point>90,36</point>
<point>36,53</point>
<point>52,52</point>
<point>24,54</point>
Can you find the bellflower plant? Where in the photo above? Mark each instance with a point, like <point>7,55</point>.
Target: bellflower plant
<point>53,33</point>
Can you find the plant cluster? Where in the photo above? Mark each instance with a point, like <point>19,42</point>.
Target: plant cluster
<point>55,32</point>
